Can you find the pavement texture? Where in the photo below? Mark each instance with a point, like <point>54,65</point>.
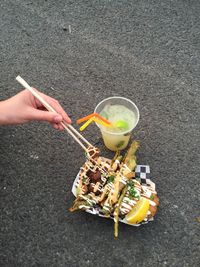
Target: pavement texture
<point>147,51</point>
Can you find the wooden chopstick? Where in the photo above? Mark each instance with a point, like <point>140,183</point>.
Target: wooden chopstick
<point>83,138</point>
<point>66,126</point>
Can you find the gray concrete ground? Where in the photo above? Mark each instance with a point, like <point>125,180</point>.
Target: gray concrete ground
<point>147,51</point>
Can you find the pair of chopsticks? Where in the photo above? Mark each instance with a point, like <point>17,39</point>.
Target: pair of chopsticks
<point>69,128</point>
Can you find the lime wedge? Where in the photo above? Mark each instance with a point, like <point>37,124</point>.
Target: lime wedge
<point>123,125</point>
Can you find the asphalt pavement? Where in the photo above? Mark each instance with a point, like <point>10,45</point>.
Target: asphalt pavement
<point>81,52</point>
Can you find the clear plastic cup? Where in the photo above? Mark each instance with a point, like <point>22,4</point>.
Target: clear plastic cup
<point>117,140</point>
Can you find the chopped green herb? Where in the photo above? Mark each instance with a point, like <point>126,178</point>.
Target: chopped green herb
<point>120,144</point>
<point>133,192</point>
<point>152,197</point>
<point>111,178</point>
<point>84,179</point>
<point>130,183</point>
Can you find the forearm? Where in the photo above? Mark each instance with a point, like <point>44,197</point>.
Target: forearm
<point>4,116</point>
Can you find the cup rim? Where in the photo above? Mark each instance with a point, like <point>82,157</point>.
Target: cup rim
<point>128,100</point>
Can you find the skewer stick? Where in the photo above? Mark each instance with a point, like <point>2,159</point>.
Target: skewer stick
<point>49,108</point>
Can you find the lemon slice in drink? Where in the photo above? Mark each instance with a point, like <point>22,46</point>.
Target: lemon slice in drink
<point>139,211</point>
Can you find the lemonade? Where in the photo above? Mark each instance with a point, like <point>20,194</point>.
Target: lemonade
<point>124,115</point>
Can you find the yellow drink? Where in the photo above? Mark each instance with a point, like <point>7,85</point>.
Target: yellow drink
<point>115,143</point>
<point>124,116</point>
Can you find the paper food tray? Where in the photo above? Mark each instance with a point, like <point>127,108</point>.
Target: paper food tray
<point>142,172</point>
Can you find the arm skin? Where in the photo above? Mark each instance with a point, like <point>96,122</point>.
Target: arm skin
<point>24,107</point>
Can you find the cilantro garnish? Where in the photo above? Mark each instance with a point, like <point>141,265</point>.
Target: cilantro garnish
<point>152,197</point>
<point>111,178</point>
<point>84,179</point>
<point>133,192</point>
<point>130,183</point>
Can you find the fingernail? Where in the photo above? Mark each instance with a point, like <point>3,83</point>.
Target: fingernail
<point>57,118</point>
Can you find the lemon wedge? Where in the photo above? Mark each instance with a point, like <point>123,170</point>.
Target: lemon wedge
<point>139,211</point>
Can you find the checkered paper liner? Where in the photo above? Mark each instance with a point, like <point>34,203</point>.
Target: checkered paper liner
<point>142,172</point>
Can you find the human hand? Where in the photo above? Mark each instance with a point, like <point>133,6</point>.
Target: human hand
<point>24,107</point>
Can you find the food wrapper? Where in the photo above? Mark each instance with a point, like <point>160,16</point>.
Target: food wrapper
<point>142,172</point>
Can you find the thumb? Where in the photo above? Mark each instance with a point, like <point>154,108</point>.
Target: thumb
<point>52,117</point>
